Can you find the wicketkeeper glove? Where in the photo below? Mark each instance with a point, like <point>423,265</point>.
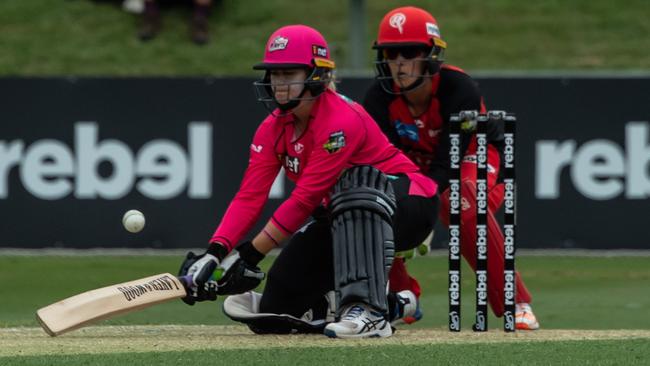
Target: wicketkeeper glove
<point>240,270</point>
<point>422,249</point>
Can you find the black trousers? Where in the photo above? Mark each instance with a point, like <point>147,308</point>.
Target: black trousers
<point>304,271</point>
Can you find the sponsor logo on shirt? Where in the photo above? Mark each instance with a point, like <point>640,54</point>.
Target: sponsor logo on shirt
<point>256,148</point>
<point>434,133</point>
<point>292,164</point>
<point>298,147</point>
<point>407,130</point>
<point>335,142</point>
<point>419,123</point>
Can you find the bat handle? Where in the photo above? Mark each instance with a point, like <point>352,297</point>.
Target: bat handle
<point>187,279</point>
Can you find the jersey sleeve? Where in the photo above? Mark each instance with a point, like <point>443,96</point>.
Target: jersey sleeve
<point>376,103</point>
<point>333,147</point>
<point>246,206</point>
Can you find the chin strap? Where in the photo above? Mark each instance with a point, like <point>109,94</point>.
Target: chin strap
<point>418,83</point>
<point>313,83</point>
<point>292,103</point>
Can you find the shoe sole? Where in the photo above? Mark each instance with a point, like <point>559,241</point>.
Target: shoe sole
<point>379,333</point>
<point>524,326</point>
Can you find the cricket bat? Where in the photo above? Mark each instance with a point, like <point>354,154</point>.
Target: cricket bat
<point>106,302</point>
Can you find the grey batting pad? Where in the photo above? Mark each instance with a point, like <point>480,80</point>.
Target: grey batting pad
<point>363,204</point>
<point>244,308</point>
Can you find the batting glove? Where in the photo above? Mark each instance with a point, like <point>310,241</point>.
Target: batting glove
<point>197,273</point>
<point>240,270</point>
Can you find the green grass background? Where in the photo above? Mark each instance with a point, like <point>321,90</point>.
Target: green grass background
<point>569,293</point>
<point>82,37</point>
<point>631,352</point>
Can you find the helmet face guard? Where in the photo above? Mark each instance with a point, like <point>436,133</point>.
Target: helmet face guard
<point>408,28</point>
<point>433,59</point>
<point>295,47</point>
<point>316,82</point>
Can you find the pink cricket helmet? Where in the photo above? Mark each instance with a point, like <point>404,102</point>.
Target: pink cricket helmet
<point>296,46</point>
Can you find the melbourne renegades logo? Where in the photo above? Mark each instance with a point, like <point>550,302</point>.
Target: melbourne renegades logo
<point>397,20</point>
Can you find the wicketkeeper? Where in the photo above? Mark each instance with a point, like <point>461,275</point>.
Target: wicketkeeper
<point>366,197</point>
<point>412,100</point>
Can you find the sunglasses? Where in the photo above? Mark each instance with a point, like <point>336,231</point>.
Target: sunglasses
<point>407,53</point>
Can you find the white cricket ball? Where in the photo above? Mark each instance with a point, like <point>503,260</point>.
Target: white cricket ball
<point>133,221</point>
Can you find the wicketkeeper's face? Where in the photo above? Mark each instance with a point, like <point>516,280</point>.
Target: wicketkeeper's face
<point>287,84</point>
<point>406,64</point>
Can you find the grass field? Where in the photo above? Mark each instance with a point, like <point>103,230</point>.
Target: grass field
<point>593,310</point>
<point>82,37</point>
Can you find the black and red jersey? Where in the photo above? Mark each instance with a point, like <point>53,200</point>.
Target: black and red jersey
<point>425,138</point>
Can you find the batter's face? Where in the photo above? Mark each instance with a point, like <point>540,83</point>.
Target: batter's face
<point>406,64</point>
<point>287,84</point>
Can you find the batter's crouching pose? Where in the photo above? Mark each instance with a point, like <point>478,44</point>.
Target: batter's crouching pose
<point>367,199</point>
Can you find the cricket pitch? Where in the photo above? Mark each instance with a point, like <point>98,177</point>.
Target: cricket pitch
<point>26,341</point>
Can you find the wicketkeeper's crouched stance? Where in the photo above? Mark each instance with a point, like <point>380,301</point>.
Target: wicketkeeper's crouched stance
<point>412,101</point>
<point>367,199</point>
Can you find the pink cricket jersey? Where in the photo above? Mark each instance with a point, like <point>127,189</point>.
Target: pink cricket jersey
<point>339,134</point>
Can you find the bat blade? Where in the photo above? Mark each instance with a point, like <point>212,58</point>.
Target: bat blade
<point>106,302</point>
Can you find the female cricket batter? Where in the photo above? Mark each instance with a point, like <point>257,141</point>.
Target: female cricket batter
<point>367,198</point>
<point>412,100</point>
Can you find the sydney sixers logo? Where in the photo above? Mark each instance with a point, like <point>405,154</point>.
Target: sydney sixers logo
<point>279,43</point>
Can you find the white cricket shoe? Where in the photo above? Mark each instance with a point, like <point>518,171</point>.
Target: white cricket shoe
<point>408,308</point>
<point>359,321</point>
<point>525,318</point>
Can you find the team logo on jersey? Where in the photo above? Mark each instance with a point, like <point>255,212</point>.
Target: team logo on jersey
<point>298,147</point>
<point>434,133</point>
<point>292,164</point>
<point>256,148</point>
<point>464,204</point>
<point>397,21</point>
<point>279,43</point>
<point>407,130</point>
<point>320,51</point>
<point>335,143</point>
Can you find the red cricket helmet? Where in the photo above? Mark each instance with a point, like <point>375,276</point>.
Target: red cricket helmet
<point>408,26</point>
